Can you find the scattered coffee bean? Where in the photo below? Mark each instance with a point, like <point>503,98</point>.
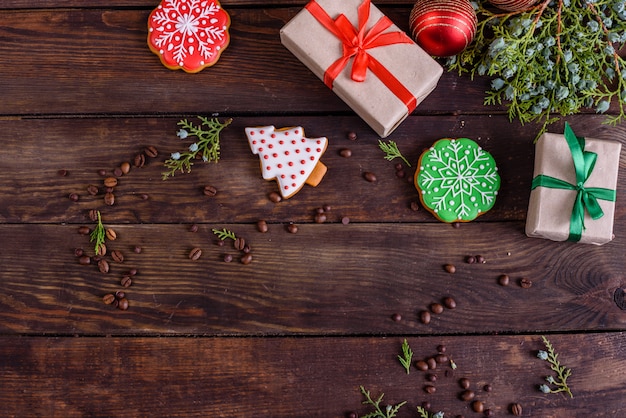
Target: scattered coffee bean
<point>84,260</point>
<point>92,189</point>
<point>436,308</point>
<point>421,365</point>
<point>122,304</point>
<point>400,174</point>
<point>101,250</point>
<point>426,405</point>
<point>117,256</point>
<point>320,218</point>
<point>220,242</point>
<point>102,172</point>
<point>480,259</point>
<point>137,249</point>
<point>470,259</point>
<point>151,151</point>
<point>449,303</point>
<point>292,228</point>
<point>246,259</point>
<point>126,281</point>
<point>144,196</point>
<point>120,294</point>
<point>261,226</point>
<point>487,388</point>
<point>125,167</point>
<point>396,317</point>
<point>209,191</point>
<point>63,173</point>
<point>228,258</point>
<point>503,280</point>
<point>430,389</point>
<point>132,272</point>
<point>425,317</point>
<point>78,252</point>
<point>464,382</point>
<point>117,172</point>
<point>456,225</point>
<point>274,197</point>
<point>345,152</point>
<point>319,210</point>
<point>239,243</point>
<point>93,215</point>
<point>441,348</point>
<point>73,197</point>
<point>516,409</point>
<point>345,220</point>
<point>432,363</point>
<point>449,268</point>
<point>110,234</point>
<point>478,406</point>
<point>139,160</point>
<point>467,395</point>
<point>109,199</point>
<point>352,415</point>
<point>369,176</point>
<point>431,377</point>
<point>193,228</point>
<point>414,206</point>
<point>441,358</point>
<point>103,266</point>
<point>488,413</point>
<point>352,136</point>
<point>195,254</point>
<point>110,182</point>
<point>326,208</point>
<point>525,283</point>
<point>84,230</point>
<point>109,298</point>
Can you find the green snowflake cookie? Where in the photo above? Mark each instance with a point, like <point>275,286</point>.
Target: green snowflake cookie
<point>457,180</point>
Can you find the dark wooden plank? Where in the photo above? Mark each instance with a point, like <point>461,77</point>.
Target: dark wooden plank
<point>310,377</point>
<point>77,61</point>
<point>326,279</point>
<point>35,150</point>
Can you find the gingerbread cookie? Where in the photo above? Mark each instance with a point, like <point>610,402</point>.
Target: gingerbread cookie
<point>288,157</point>
<point>457,180</point>
<point>188,34</point>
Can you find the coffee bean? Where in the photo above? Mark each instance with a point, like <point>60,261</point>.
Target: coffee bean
<point>209,191</point>
<point>84,260</point>
<point>92,189</point>
<point>117,172</point>
<point>117,256</point>
<point>464,382</point>
<point>109,199</point>
<point>101,250</point>
<point>102,172</point>
<point>487,388</point>
<point>456,225</point>
<point>449,268</point>
<point>110,182</point>
<point>414,206</point>
<point>122,304</point>
<point>111,234</point>
<point>396,317</point>
<point>369,176</point>
<point>84,230</point>
<point>292,228</point>
<point>137,249</point>
<point>478,406</point>
<point>261,226</point>
<point>120,294</point>
<point>441,358</point>
<point>525,283</point>
<point>109,298</point>
<point>503,280</point>
<point>239,243</point>
<point>425,317</point>
<point>431,377</point>
<point>345,152</point>
<point>73,197</point>
<point>320,218</point>
<point>398,166</point>
<point>126,281</point>
<point>93,215</point>
<point>470,259</point>
<point>421,365</point>
<point>467,395</point>
<point>78,252</point>
<point>246,259</point>
<point>125,167</point>
<point>139,160</point>
<point>63,173</point>
<point>195,254</point>
<point>326,208</point>
<point>228,258</point>
<point>436,308</point>
<point>352,415</point>
<point>345,220</point>
<point>103,266</point>
<point>426,405</point>
<point>274,197</point>
<point>449,303</point>
<point>516,409</point>
<point>144,196</point>
<point>352,136</point>
<point>480,259</point>
<point>400,174</point>
<point>151,151</point>
<point>132,272</point>
<point>430,389</point>
<point>432,363</point>
<point>441,348</point>
<point>488,413</point>
<point>193,228</point>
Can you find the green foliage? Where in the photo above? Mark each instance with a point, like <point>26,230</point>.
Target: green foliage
<point>390,411</point>
<point>391,150</point>
<point>562,373</point>
<point>407,355</point>
<point>550,60</point>
<point>207,145</point>
<point>224,233</point>
<point>98,234</point>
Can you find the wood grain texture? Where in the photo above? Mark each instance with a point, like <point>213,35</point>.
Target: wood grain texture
<point>301,377</point>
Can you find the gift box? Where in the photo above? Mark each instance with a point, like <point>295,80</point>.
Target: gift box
<point>364,58</point>
<point>573,189</point>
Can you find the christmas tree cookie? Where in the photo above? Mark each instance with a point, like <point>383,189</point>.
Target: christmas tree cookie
<point>188,34</point>
<point>288,157</point>
<point>457,180</point>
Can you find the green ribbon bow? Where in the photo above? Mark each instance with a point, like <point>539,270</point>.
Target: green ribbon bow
<point>586,197</point>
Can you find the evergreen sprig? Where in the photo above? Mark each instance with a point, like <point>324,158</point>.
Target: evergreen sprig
<point>98,235</point>
<point>550,60</point>
<point>207,144</point>
<point>389,411</point>
<point>425,414</point>
<point>562,372</point>
<point>391,150</point>
<point>224,233</point>
<point>407,355</point>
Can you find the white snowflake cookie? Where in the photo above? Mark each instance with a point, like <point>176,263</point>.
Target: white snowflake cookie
<point>188,34</point>
<point>457,180</point>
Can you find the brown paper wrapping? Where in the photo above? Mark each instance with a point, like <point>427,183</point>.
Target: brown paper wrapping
<point>549,210</point>
<point>318,48</point>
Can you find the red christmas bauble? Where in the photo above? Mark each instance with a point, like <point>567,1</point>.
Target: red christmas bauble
<point>513,5</point>
<point>443,27</point>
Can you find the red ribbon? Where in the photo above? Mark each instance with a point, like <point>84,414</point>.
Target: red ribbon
<point>356,42</point>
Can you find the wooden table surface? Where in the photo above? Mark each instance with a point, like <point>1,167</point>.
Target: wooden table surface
<point>298,331</point>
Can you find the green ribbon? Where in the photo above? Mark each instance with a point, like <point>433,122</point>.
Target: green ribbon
<point>586,197</point>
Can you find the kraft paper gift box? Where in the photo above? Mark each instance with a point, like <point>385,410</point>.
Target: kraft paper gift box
<point>565,200</point>
<point>385,81</point>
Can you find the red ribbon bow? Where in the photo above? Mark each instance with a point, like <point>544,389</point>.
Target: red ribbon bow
<point>357,42</point>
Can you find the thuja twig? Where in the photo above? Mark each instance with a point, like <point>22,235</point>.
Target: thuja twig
<point>425,414</point>
<point>224,233</point>
<point>390,411</point>
<point>391,150</point>
<point>98,235</point>
<point>562,373</point>
<point>407,355</point>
